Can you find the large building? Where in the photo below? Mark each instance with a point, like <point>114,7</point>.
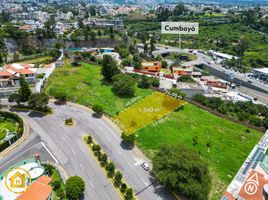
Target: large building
<point>261,74</point>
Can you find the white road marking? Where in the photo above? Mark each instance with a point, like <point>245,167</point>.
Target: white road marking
<point>91,184</point>
<point>50,152</point>
<point>73,151</point>
<point>81,166</point>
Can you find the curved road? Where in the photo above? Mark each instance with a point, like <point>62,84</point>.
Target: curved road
<point>68,149</point>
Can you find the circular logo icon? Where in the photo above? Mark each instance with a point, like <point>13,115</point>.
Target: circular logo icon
<point>251,188</point>
<point>17,180</point>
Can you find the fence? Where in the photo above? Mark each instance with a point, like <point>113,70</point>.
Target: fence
<point>41,82</point>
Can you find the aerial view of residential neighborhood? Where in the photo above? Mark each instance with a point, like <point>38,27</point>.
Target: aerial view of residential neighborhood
<point>133,100</point>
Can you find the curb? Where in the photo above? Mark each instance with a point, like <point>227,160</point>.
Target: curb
<point>103,171</point>
<point>118,130</point>
<point>25,135</point>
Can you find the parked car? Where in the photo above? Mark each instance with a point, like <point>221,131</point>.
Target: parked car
<point>145,166</point>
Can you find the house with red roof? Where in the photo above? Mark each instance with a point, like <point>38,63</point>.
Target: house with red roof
<point>10,74</point>
<point>39,190</point>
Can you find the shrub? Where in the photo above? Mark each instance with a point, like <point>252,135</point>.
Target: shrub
<point>40,76</point>
<point>98,109</point>
<point>60,95</point>
<point>60,193</point>
<point>69,121</point>
<point>56,184</point>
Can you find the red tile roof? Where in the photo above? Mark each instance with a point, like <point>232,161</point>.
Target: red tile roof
<point>39,190</point>
<point>5,73</point>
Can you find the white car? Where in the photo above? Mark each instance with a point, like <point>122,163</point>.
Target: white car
<point>145,166</point>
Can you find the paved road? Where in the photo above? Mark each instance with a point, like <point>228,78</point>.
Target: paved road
<point>71,153</point>
<point>68,149</point>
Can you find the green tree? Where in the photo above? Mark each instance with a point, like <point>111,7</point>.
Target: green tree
<point>75,187</point>
<point>123,85</point>
<point>38,100</point>
<point>129,194</point>
<point>128,138</point>
<point>92,11</point>
<point>123,188</point>
<point>104,159</point>
<point>242,45</point>
<point>89,139</point>
<point>24,91</point>
<point>182,171</point>
<point>109,68</point>
<point>111,169</point>
<point>118,178</point>
<point>144,82</point>
<point>179,9</point>
<point>154,82</point>
<point>60,95</point>
<point>14,98</point>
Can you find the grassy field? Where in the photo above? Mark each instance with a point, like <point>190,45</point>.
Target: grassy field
<point>146,111</point>
<point>11,126</point>
<point>85,86</point>
<point>224,144</point>
<point>37,60</point>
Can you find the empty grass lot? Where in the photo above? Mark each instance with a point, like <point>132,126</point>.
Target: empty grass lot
<point>229,143</point>
<point>84,85</point>
<point>146,111</point>
<point>42,59</point>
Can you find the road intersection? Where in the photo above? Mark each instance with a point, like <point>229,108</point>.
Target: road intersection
<point>64,145</point>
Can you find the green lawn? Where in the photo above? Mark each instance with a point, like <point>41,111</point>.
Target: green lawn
<point>10,125</point>
<point>230,144</point>
<point>38,60</point>
<point>84,85</point>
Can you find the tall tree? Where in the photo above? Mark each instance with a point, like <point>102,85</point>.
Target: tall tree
<point>38,100</point>
<point>75,187</point>
<point>182,171</point>
<point>179,9</point>
<point>109,68</point>
<point>24,91</point>
<point>242,45</point>
<point>123,85</point>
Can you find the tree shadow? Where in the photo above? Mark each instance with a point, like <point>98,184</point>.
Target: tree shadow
<point>94,115</point>
<point>60,103</point>
<point>34,114</point>
<point>126,146</point>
